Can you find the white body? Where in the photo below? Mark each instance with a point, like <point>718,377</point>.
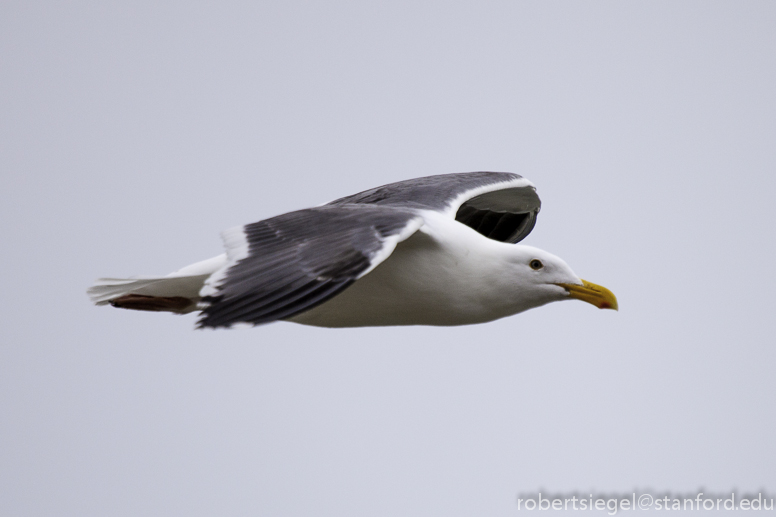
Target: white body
<point>444,274</point>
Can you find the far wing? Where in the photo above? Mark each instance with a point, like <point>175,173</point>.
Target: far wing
<point>291,263</point>
<point>500,205</point>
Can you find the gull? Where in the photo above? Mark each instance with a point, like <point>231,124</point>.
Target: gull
<point>438,250</point>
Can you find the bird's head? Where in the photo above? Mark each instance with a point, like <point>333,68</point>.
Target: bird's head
<point>548,278</point>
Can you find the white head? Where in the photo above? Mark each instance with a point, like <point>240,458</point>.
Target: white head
<point>538,277</point>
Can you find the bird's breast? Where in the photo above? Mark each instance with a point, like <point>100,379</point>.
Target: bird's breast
<point>427,280</point>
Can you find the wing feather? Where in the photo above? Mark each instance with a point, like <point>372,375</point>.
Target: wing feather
<point>480,200</point>
<point>291,263</point>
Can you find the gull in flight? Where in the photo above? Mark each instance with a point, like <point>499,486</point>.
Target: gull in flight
<point>438,250</point>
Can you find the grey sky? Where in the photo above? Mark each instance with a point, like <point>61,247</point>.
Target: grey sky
<point>131,135</point>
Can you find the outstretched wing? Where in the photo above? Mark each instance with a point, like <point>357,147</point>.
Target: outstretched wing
<point>288,264</point>
<point>500,205</point>
<point>285,265</point>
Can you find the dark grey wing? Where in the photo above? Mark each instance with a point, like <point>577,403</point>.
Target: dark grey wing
<point>288,264</point>
<point>500,205</point>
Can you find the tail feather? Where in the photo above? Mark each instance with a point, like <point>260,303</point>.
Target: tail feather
<point>139,302</point>
<point>176,292</point>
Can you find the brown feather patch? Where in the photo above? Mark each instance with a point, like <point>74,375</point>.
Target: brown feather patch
<point>139,302</point>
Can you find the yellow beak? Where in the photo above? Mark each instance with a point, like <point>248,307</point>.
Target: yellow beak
<point>589,292</point>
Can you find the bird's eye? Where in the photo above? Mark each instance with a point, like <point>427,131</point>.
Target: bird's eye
<point>536,264</point>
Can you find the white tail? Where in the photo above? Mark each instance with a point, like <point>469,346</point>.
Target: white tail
<point>177,292</point>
